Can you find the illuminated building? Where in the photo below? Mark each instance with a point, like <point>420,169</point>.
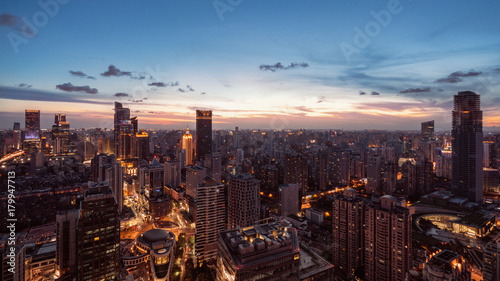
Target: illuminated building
<point>210,218</point>
<point>347,238</point>
<point>98,248</point>
<point>467,146</point>
<point>243,201</point>
<point>152,180</point>
<point>427,130</point>
<point>66,224</point>
<point>290,200</point>
<point>32,125</point>
<point>268,176</point>
<point>187,145</point>
<point>296,170</point>
<point>124,128</point>
<point>213,163</point>
<point>374,165</point>
<point>203,133</point>
<point>338,167</point>
<point>60,134</point>
<point>17,136</point>
<point>154,251</point>
<point>314,215</point>
<point>259,252</point>
<point>387,240</point>
<point>194,176</point>
<point>491,260</point>
<point>172,174</point>
<point>446,266</point>
<point>141,146</point>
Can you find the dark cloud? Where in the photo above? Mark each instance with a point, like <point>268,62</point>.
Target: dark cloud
<point>15,23</point>
<point>81,74</point>
<point>24,94</point>
<point>457,76</point>
<point>440,90</point>
<point>203,93</point>
<point>68,87</point>
<point>139,77</point>
<point>361,93</point>
<point>190,88</point>
<point>174,84</point>
<point>23,85</point>
<point>120,95</point>
<point>416,90</point>
<point>375,93</point>
<point>113,71</point>
<point>135,100</point>
<point>158,84</point>
<point>321,99</point>
<point>181,90</point>
<point>279,66</point>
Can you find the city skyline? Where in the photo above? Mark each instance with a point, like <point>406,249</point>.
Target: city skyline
<point>321,66</point>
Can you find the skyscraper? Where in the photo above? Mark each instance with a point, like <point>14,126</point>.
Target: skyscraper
<point>347,223</point>
<point>203,133</point>
<point>187,145</point>
<point>66,223</point>
<point>210,218</point>
<point>243,201</point>
<point>124,129</point>
<point>60,134</point>
<point>427,130</point>
<point>467,146</point>
<point>98,239</point>
<point>387,240</point>
<point>32,125</point>
<point>296,170</point>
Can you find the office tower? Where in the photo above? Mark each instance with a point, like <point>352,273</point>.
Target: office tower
<point>141,146</point>
<point>99,165</point>
<point>296,170</point>
<point>347,238</point>
<point>427,131</point>
<point>243,200</point>
<point>467,146</point>
<point>17,126</point>
<point>387,240</point>
<point>115,180</point>
<point>290,200</point>
<point>32,125</point>
<point>260,252</point>
<point>66,224</point>
<point>213,163</point>
<point>194,176</point>
<point>491,260</point>
<point>124,129</point>
<point>60,134</point>
<point>15,261</point>
<point>373,166</point>
<point>203,133</point>
<point>155,251</point>
<point>210,218</point>
<point>172,174</point>
<point>187,145</point>
<point>98,235</point>
<point>446,265</point>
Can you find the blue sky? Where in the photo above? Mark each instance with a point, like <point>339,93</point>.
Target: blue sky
<point>256,64</point>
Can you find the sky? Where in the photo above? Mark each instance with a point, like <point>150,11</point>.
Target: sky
<point>257,64</point>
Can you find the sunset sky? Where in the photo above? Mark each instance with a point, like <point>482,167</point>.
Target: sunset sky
<point>256,64</point>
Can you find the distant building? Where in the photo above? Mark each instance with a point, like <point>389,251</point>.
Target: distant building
<point>296,170</point>
<point>446,266</point>
<point>289,199</point>
<point>203,133</point>
<point>258,252</point>
<point>314,216</point>
<point>140,146</point>
<point>60,134</point>
<point>467,146</point>
<point>427,130</point>
<point>32,125</point>
<point>243,193</point>
<point>172,174</point>
<point>187,145</point>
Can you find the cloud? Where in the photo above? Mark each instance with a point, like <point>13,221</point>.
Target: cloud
<point>24,94</point>
<point>139,77</point>
<point>162,84</point>
<point>120,95</point>
<point>321,99</point>
<point>81,74</point>
<point>135,100</point>
<point>68,87</point>
<point>181,90</point>
<point>190,88</point>
<point>375,93</point>
<point>279,66</point>
<point>303,109</point>
<point>416,90</point>
<point>457,76</point>
<point>113,71</point>
<point>23,85</point>
<point>361,93</point>
<point>15,23</point>
<point>225,83</point>
<point>203,93</point>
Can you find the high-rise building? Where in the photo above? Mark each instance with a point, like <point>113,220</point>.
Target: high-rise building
<point>187,145</point>
<point>16,126</point>
<point>12,263</point>
<point>141,146</point>
<point>338,167</point>
<point>115,180</point>
<point>467,146</point>
<point>32,125</point>
<point>491,259</point>
<point>98,248</point>
<point>210,218</point>
<point>290,200</point>
<point>124,129</point>
<point>203,133</point>
<point>172,174</point>
<point>427,130</point>
<point>296,170</point>
<point>213,163</point>
<point>66,246</point>
<point>347,224</point>
<point>261,252</point>
<point>373,168</point>
<point>243,200</point>
<point>60,134</point>
<point>387,240</point>
<point>194,176</point>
